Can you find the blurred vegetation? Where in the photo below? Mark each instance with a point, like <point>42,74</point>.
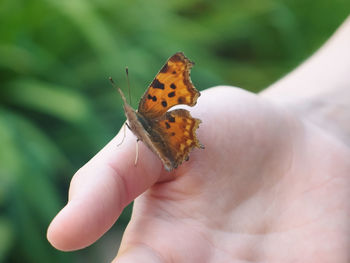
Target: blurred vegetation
<point>57,108</point>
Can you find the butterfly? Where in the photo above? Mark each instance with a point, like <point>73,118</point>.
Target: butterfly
<point>169,134</point>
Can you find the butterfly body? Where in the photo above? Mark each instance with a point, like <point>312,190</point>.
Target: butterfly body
<point>169,134</point>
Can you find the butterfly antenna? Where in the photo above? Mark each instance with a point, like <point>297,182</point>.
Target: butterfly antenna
<point>112,81</point>
<point>127,78</point>
<point>119,90</point>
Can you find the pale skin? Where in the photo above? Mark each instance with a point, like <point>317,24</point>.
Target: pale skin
<point>272,184</point>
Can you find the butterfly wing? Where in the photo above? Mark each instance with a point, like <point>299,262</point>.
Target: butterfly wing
<point>170,135</point>
<point>171,86</point>
<point>174,136</point>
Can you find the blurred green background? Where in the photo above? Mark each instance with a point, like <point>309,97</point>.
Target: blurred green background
<point>57,107</point>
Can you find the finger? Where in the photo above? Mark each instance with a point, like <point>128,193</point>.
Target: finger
<point>100,190</point>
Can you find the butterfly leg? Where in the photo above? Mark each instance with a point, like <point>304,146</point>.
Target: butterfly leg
<point>137,151</point>
<point>124,133</point>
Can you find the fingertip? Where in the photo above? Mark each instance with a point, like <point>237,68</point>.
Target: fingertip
<point>96,201</point>
<point>79,224</point>
<point>59,232</point>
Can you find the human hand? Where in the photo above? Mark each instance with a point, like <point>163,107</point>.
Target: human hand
<point>267,187</point>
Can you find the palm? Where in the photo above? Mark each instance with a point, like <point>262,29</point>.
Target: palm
<point>268,187</point>
<point>255,193</point>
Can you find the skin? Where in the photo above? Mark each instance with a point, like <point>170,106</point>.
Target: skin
<point>272,185</point>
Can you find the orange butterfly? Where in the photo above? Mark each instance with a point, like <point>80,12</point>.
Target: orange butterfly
<point>171,135</point>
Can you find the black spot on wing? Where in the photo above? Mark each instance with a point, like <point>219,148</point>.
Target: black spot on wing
<point>173,86</point>
<point>150,97</point>
<point>164,104</point>
<point>171,118</point>
<point>181,100</point>
<point>167,125</point>
<point>171,94</point>
<point>156,84</point>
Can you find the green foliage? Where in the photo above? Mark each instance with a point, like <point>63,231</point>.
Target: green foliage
<point>57,108</point>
